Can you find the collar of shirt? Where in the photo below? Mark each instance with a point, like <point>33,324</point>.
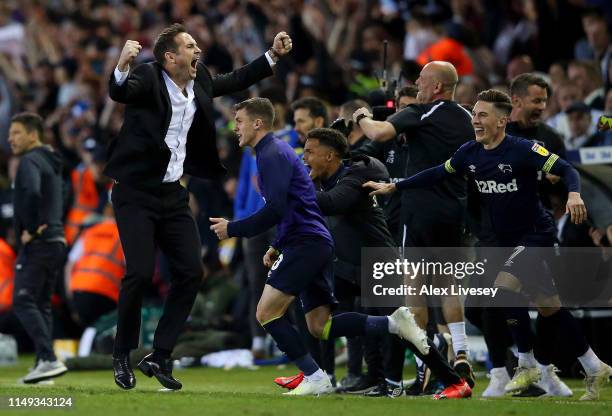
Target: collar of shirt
<point>264,140</point>
<point>175,91</point>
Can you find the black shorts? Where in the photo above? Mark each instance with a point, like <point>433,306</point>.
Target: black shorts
<point>529,261</point>
<point>421,231</point>
<point>305,270</point>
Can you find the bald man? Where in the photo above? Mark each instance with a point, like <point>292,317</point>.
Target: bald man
<point>435,127</point>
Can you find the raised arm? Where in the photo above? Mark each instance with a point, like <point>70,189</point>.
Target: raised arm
<point>247,75</point>
<point>126,87</point>
<point>379,131</point>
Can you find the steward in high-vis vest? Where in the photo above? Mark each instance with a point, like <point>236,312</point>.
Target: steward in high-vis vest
<point>85,203</point>
<point>95,268</point>
<point>90,194</point>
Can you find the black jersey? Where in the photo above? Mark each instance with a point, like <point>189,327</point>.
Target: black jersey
<point>393,155</point>
<point>434,132</point>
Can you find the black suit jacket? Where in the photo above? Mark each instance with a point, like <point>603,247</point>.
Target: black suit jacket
<point>139,155</point>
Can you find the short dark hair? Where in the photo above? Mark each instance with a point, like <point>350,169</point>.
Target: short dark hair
<point>520,84</point>
<point>257,107</point>
<point>330,138</point>
<point>165,41</point>
<point>353,105</point>
<point>500,100</point>
<point>407,91</point>
<point>31,122</point>
<point>314,105</point>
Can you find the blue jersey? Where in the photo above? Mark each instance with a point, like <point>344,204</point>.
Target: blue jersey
<point>507,180</point>
<point>289,195</point>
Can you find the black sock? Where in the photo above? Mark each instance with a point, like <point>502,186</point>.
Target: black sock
<point>563,324</point>
<point>288,341</point>
<point>348,324</point>
<point>312,344</point>
<point>546,339</point>
<point>287,338</point>
<point>517,319</point>
<point>354,346</point>
<point>496,335</point>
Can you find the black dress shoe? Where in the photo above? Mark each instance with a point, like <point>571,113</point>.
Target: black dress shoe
<point>124,376</point>
<point>161,368</point>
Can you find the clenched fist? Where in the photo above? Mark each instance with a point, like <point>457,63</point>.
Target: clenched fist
<point>130,51</point>
<point>282,44</point>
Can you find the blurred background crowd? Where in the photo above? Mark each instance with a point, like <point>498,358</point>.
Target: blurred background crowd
<point>56,57</point>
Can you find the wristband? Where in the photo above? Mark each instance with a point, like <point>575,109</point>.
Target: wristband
<point>361,117</point>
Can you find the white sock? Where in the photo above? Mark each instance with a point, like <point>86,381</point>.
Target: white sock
<point>457,330</point>
<point>527,360</point>
<point>258,343</point>
<point>543,367</point>
<point>590,362</point>
<point>500,371</point>
<point>393,328</point>
<point>317,375</point>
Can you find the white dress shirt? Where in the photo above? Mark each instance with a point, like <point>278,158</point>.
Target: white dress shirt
<point>183,111</point>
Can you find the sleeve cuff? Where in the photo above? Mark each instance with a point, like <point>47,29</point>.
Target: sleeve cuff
<point>232,229</point>
<point>270,60</point>
<point>120,77</point>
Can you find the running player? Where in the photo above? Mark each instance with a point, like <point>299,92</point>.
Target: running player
<point>301,258</point>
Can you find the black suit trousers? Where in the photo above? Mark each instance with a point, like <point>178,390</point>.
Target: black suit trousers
<point>147,220</point>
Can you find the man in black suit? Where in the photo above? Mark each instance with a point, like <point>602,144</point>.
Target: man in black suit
<point>168,129</point>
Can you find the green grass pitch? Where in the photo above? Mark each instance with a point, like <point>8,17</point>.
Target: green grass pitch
<point>251,392</point>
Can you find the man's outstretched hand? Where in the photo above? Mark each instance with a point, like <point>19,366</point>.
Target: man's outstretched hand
<point>219,226</point>
<point>379,188</point>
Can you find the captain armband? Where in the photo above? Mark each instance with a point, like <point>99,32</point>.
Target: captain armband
<point>549,163</point>
<point>448,167</point>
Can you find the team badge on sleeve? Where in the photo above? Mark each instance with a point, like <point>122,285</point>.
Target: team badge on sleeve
<point>540,150</point>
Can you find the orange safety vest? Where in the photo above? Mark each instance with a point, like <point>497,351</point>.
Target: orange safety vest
<point>86,200</point>
<point>102,265</point>
<point>7,275</point>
